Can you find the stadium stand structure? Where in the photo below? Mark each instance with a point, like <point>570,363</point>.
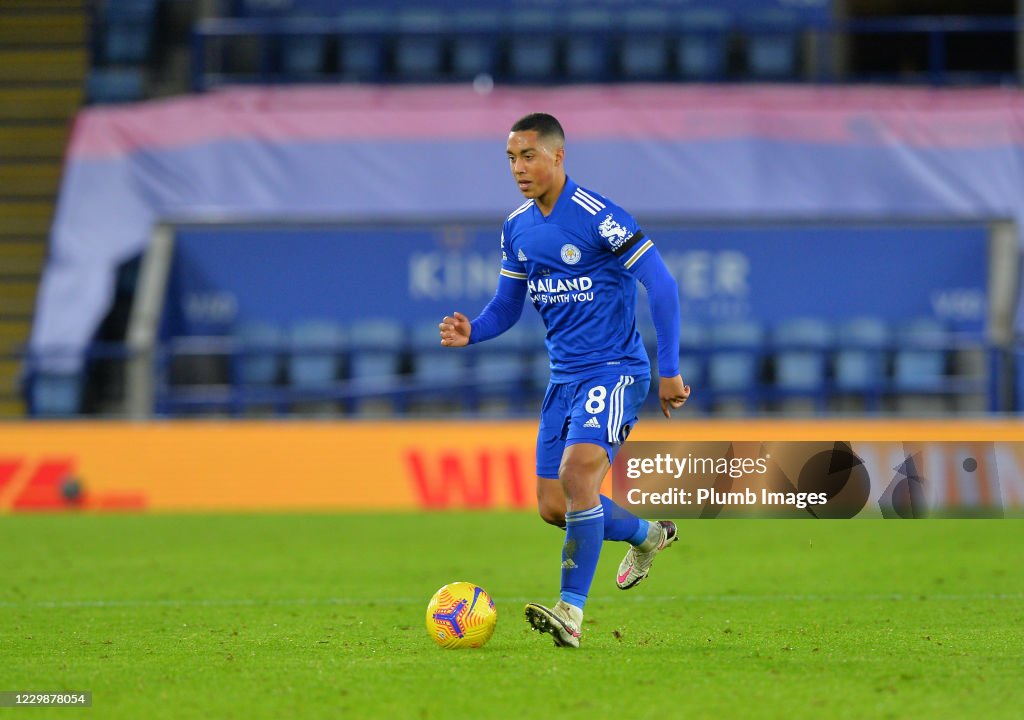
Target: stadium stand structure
<point>801,346</point>
<point>560,42</point>
<point>319,366</point>
<point>121,47</point>
<point>801,366</point>
<point>736,364</point>
<point>43,61</point>
<point>860,362</point>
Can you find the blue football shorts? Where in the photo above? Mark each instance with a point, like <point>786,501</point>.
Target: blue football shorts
<point>600,410</point>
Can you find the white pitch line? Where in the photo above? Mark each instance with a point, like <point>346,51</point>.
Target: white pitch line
<point>289,602</point>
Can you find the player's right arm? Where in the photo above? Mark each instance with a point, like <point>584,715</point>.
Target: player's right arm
<point>501,313</point>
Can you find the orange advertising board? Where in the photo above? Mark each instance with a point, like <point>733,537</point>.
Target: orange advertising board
<point>351,465</point>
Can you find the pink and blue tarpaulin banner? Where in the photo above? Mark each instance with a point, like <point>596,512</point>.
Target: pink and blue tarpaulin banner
<point>414,153</point>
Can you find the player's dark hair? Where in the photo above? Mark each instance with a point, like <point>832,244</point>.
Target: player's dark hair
<point>545,125</point>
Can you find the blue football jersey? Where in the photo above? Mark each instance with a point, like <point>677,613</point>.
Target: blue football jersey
<point>576,265</point>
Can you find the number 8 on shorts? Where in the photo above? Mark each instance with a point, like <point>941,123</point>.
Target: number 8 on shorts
<point>595,399</point>
<point>605,408</point>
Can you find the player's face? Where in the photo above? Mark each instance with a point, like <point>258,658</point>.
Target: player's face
<point>536,165</point>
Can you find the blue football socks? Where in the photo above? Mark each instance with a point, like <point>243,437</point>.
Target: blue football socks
<point>621,524</point>
<point>584,534</point>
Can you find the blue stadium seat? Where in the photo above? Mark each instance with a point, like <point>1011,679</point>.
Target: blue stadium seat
<point>127,30</point>
<point>361,47</point>
<point>375,352</point>
<point>314,362</point>
<point>772,45</point>
<point>499,367</point>
<point>533,49</point>
<point>439,372</point>
<point>734,365</point>
<point>919,363</point>
<point>257,362</point>
<point>801,347</point>
<point>702,50</point>
<point>419,49</point>
<point>474,48</point>
<point>860,360</point>
<point>303,54</point>
<point>1018,362</point>
<point>587,52</point>
<point>644,49</point>
<point>56,395</point>
<point>115,85</point>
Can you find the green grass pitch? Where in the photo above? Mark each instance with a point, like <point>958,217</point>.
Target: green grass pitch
<point>307,616</point>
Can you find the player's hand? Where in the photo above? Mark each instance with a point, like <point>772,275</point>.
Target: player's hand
<point>455,330</point>
<point>672,393</point>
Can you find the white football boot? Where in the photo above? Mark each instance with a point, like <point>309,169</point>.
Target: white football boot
<point>637,563</point>
<point>561,622</point>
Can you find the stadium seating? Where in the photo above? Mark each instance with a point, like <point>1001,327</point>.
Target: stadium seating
<point>1018,370</point>
<point>859,366</point>
<point>302,54</point>
<point>772,45</point>
<point>56,395</point>
<point>258,358</point>
<point>545,43</point>
<point>840,368</point>
<point>127,31</point>
<point>419,47</point>
<point>919,363</point>
<point>315,358</point>
<point>800,359</point>
<point>587,51</point>
<point>362,45</point>
<point>500,369</point>
<point>533,48</point>
<point>566,41</point>
<point>643,49</point>
<point>734,364</point>
<point>115,85</point>
<point>474,49</point>
<point>440,373</point>
<point>315,366</point>
<point>376,350</point>
<point>702,48</point>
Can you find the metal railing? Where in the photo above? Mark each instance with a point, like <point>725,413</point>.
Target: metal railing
<point>219,386</point>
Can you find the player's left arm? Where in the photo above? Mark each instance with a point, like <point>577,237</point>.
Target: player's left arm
<point>663,296</point>
<point>620,234</point>
<point>638,256</point>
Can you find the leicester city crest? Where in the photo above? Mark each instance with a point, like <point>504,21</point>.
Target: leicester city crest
<point>570,254</point>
